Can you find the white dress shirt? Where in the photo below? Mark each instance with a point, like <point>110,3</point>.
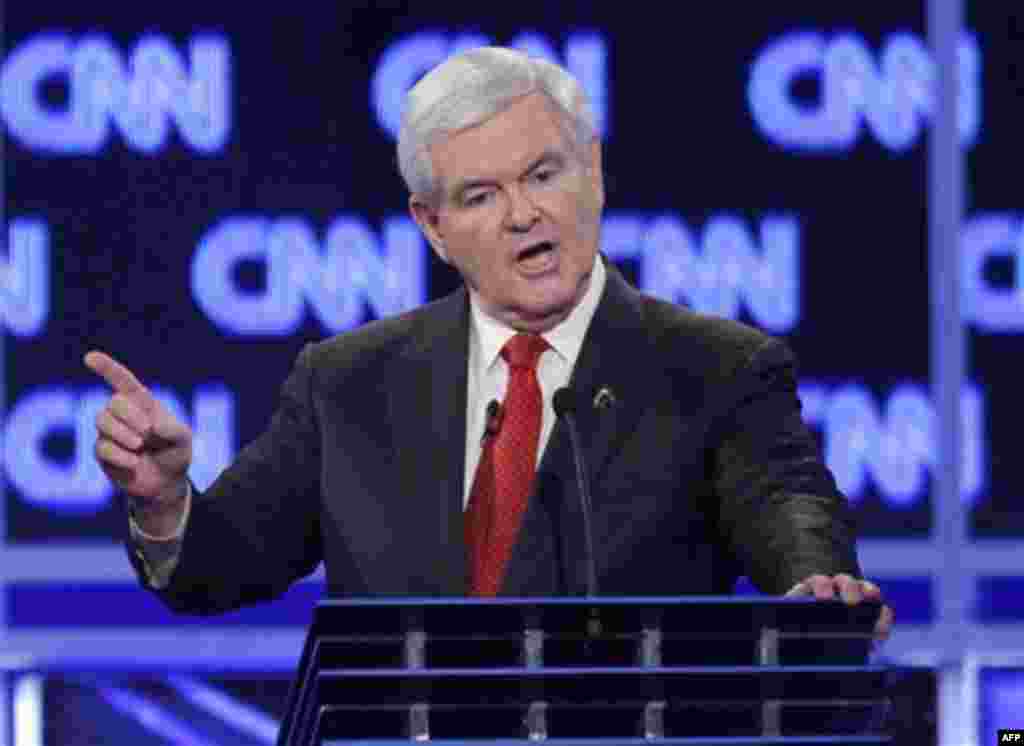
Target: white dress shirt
<point>488,371</point>
<point>486,381</point>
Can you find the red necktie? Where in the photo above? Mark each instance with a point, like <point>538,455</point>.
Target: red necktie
<point>505,474</point>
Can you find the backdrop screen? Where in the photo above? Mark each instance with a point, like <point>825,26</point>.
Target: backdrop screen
<point>201,196</point>
<point>200,189</point>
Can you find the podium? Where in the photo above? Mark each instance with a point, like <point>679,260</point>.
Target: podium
<point>608,670</point>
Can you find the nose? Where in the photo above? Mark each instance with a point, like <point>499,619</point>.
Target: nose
<point>521,213</point>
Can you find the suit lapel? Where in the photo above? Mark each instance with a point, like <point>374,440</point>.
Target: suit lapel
<point>427,409</point>
<point>427,404</point>
<point>614,349</point>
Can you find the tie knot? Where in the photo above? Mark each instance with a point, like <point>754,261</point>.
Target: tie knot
<point>524,350</point>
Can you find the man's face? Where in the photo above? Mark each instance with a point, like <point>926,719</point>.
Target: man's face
<point>519,213</point>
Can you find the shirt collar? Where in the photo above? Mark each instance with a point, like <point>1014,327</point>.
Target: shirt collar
<point>566,339</point>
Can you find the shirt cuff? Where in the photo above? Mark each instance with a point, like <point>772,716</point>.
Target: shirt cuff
<point>799,589</point>
<point>159,555</point>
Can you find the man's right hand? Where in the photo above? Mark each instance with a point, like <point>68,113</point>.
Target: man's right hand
<point>141,447</point>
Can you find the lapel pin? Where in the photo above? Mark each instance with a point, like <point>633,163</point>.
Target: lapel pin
<point>604,398</point>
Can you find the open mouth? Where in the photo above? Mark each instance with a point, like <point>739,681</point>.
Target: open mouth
<point>536,256</point>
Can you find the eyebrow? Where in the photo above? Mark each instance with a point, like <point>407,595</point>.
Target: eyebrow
<point>548,156</point>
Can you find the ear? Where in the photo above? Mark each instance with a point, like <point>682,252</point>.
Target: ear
<point>428,219</point>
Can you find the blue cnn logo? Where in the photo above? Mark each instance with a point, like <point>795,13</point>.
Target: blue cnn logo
<point>408,58</point>
<point>25,278</point>
<point>891,96</point>
<point>891,446</point>
<point>140,95</point>
<point>77,485</point>
<point>353,270</point>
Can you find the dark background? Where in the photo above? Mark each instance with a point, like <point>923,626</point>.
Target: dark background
<point>124,224</point>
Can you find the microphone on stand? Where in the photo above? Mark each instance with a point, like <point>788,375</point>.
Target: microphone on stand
<point>492,424</point>
<point>565,404</point>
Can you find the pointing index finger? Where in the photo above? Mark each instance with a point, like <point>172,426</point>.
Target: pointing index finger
<point>116,375</point>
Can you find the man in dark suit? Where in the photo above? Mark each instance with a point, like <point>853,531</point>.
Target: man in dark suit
<point>421,455</point>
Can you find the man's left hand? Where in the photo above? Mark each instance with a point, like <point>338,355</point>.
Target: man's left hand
<point>850,590</point>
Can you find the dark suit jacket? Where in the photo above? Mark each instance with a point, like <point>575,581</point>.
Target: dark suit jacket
<point>702,471</point>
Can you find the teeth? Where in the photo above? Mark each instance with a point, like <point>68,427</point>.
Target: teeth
<point>535,249</point>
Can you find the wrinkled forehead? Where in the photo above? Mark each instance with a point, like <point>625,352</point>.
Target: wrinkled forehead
<point>503,146</point>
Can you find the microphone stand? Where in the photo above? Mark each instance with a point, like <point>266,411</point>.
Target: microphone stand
<point>565,405</point>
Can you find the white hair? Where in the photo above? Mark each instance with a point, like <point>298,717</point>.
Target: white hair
<point>468,89</point>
